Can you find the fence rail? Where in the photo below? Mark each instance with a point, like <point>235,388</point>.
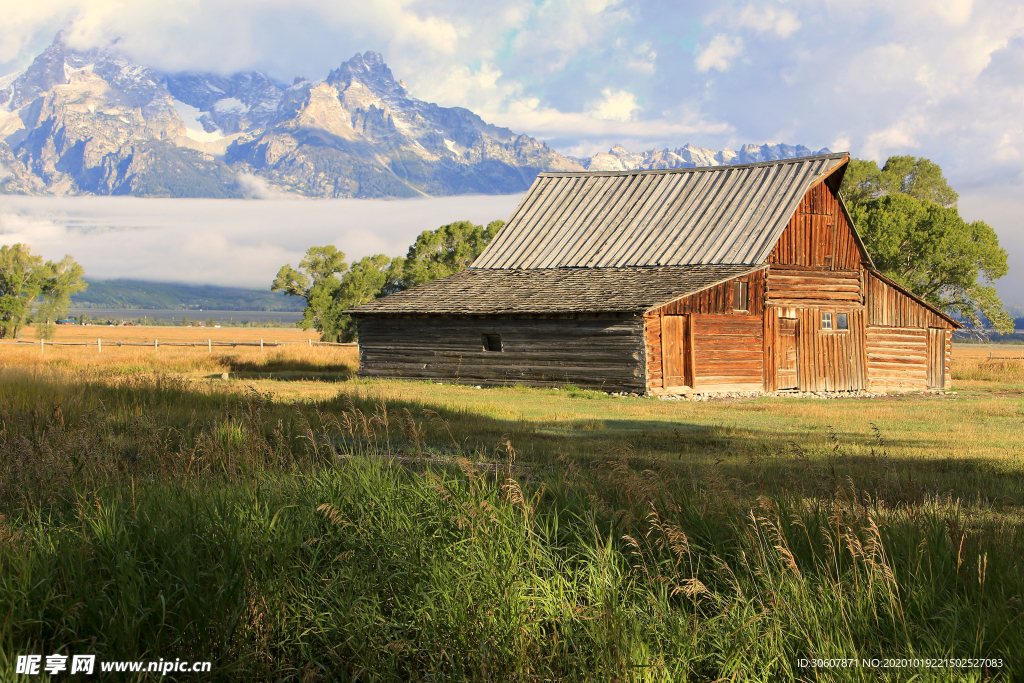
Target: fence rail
<point>156,343</point>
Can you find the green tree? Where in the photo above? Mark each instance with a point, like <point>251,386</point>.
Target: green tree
<point>914,176</point>
<point>445,251</point>
<point>32,289</point>
<point>330,287</point>
<point>906,213</point>
<point>933,252</point>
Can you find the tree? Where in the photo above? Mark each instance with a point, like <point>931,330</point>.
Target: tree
<point>331,287</point>
<point>906,213</point>
<point>915,176</point>
<point>31,289</point>
<point>938,256</point>
<point>446,251</point>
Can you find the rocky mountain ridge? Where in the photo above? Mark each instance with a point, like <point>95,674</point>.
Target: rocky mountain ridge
<point>94,122</point>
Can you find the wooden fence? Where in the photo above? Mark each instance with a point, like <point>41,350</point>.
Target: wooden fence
<point>156,343</point>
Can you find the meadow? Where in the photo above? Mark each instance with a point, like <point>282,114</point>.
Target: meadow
<point>293,522</point>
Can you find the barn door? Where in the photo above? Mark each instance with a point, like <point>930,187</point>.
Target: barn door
<point>787,363</point>
<point>675,351</point>
<point>936,358</point>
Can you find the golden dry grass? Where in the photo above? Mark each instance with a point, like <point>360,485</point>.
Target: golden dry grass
<point>975,366</point>
<point>281,362</point>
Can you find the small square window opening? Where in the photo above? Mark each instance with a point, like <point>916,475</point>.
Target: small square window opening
<point>842,321</point>
<point>492,342</point>
<point>740,290</point>
<point>826,321</point>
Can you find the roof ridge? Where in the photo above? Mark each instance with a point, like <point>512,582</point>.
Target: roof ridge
<point>693,169</point>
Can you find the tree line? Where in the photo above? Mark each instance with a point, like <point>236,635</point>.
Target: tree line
<point>905,212</point>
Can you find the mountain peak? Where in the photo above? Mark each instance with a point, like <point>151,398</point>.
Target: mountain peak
<point>90,121</point>
<point>370,69</point>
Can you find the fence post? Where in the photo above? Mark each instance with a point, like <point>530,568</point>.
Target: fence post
<point>261,343</point>
<point>310,340</point>
<point>209,345</point>
<point>156,344</point>
<point>41,342</point>
<point>99,346</point>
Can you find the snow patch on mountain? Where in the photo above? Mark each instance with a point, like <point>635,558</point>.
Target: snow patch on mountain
<point>191,116</point>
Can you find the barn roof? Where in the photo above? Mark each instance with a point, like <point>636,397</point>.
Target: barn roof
<point>724,215</point>
<point>563,290</point>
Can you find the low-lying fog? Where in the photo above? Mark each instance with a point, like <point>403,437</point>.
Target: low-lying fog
<point>226,242</point>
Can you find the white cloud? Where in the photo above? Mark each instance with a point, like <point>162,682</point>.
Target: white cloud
<point>782,22</point>
<point>615,105</point>
<point>719,53</point>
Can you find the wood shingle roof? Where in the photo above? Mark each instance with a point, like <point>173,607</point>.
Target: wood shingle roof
<point>482,291</point>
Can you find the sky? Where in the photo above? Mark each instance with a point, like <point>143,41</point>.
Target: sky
<point>942,79</point>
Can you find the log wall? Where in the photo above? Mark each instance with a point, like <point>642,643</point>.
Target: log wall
<point>902,358</point>
<point>818,235</point>
<point>802,286</point>
<point>599,352</point>
<point>727,353</point>
<point>897,358</point>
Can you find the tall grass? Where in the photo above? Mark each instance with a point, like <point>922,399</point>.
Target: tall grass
<point>155,517</point>
<point>986,370</point>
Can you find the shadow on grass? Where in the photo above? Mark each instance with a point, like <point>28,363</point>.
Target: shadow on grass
<point>309,375</point>
<point>282,363</point>
<point>213,415</point>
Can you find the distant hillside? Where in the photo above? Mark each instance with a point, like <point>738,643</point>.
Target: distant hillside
<point>169,295</point>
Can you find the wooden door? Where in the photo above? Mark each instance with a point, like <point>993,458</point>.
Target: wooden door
<point>787,363</point>
<point>936,358</point>
<point>675,351</point>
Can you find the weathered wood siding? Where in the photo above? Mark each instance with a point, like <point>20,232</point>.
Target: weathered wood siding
<point>708,311</point>
<point>802,286</point>
<point>900,355</point>
<point>727,352</point>
<point>889,307</point>
<point>897,358</point>
<point>909,358</point>
<point>719,299</point>
<point>827,360</point>
<point>600,352</point>
<point>818,235</point>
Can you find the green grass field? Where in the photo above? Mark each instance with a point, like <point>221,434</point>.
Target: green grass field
<point>298,524</point>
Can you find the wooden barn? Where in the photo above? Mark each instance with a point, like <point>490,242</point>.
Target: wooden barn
<point>698,280</point>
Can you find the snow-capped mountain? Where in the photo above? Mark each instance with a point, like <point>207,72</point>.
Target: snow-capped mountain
<point>93,122</point>
<point>618,158</point>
